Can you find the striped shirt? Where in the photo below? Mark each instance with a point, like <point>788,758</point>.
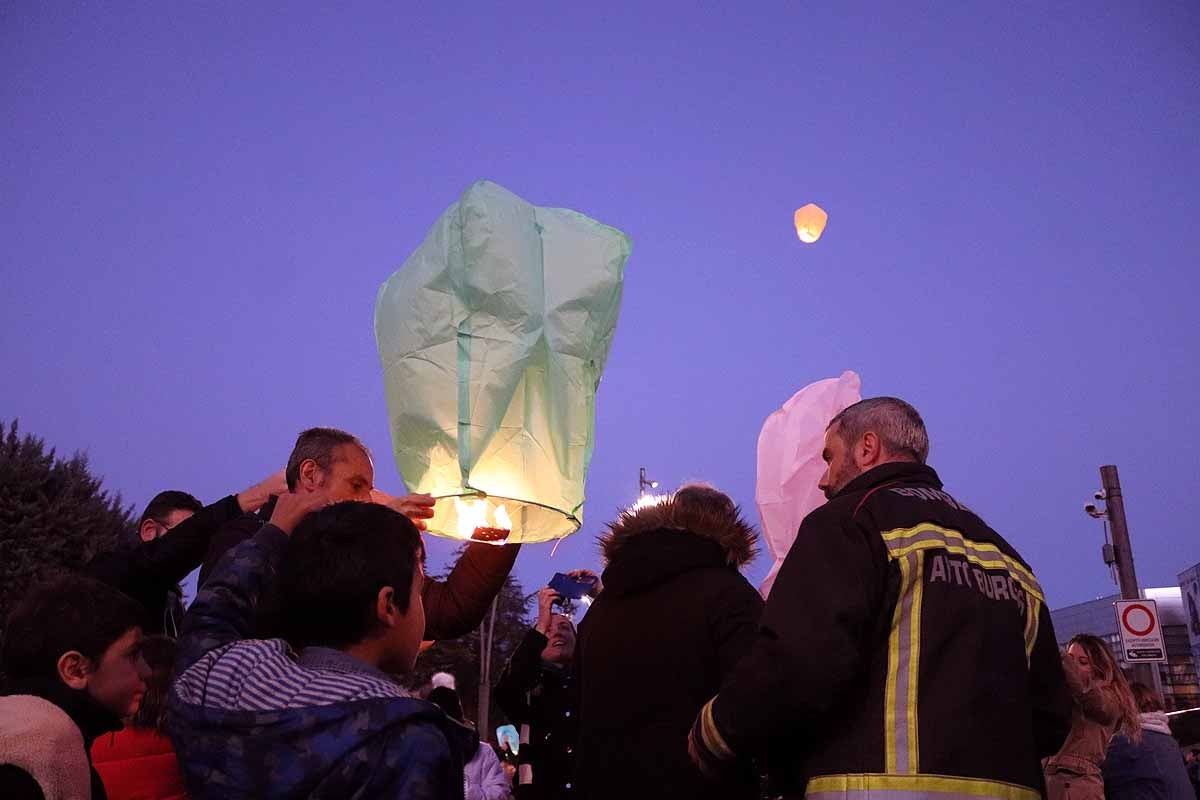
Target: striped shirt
<point>265,675</point>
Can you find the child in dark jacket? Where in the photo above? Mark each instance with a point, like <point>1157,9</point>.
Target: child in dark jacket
<point>72,656</point>
<point>253,718</point>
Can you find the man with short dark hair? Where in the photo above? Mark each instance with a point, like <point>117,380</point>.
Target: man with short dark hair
<point>254,718</point>
<point>328,461</point>
<point>175,532</point>
<point>74,670</point>
<point>165,511</point>
<point>322,447</point>
<point>337,466</point>
<point>905,650</point>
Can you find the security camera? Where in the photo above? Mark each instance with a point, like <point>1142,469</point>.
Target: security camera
<point>1099,495</point>
<point>1090,508</point>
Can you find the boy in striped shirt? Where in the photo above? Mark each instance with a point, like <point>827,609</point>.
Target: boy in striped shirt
<point>315,714</point>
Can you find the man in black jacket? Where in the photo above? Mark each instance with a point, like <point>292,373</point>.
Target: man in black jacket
<point>176,532</point>
<point>905,650</point>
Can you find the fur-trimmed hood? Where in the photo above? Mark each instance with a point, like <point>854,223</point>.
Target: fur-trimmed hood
<point>726,528</point>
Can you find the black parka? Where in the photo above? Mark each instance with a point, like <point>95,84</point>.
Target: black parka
<point>674,617</point>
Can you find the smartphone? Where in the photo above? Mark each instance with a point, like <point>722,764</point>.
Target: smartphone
<point>572,588</point>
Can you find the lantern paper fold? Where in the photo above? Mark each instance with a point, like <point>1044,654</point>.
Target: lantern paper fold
<point>493,336</point>
<point>790,464</point>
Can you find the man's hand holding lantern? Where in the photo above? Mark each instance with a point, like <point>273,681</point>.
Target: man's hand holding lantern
<point>417,507</point>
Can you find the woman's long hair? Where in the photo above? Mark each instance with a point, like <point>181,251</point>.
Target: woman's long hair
<point>159,654</point>
<point>1110,678</point>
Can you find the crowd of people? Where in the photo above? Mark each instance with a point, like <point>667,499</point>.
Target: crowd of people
<point>905,650</point>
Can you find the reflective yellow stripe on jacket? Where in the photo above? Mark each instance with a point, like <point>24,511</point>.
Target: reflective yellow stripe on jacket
<point>904,658</point>
<point>908,548</point>
<point>881,786</point>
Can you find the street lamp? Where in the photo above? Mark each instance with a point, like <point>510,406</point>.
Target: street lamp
<point>644,483</point>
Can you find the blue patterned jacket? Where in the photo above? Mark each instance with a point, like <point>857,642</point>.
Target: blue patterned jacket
<point>251,719</point>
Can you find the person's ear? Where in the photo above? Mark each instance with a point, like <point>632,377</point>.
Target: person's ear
<point>148,531</point>
<point>74,669</point>
<point>385,607</point>
<point>867,452</point>
<point>310,475</point>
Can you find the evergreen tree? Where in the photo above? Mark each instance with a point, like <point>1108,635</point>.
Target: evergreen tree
<point>54,515</point>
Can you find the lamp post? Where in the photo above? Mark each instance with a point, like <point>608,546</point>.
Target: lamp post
<point>645,483</point>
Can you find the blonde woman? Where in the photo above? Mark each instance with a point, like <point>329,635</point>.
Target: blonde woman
<point>1104,706</point>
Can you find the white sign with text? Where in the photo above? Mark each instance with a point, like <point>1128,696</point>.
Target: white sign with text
<point>1141,636</point>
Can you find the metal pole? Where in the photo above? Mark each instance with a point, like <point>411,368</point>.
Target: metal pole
<point>1126,576</point>
<point>486,632</point>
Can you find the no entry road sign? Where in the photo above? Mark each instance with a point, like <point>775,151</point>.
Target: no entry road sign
<point>1141,636</point>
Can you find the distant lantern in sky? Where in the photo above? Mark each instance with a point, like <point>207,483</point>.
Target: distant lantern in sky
<point>810,221</point>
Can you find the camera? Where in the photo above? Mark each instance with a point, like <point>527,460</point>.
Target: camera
<point>1090,508</point>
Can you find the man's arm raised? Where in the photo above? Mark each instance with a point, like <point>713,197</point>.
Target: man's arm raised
<point>224,609</point>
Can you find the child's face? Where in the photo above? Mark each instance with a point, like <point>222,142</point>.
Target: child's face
<point>118,682</point>
<point>406,637</point>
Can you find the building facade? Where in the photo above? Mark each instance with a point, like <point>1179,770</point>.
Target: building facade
<point>1189,585</point>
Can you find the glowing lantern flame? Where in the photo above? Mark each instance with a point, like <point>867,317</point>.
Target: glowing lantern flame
<point>473,522</point>
<point>810,222</point>
<point>502,520</point>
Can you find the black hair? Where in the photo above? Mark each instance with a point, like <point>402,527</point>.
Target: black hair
<point>61,615</point>
<point>165,502</point>
<point>447,700</point>
<point>336,563</point>
<point>318,445</point>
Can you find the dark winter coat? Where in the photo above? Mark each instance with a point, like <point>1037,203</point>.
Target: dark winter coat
<point>673,618</point>
<point>453,607</point>
<point>1150,770</point>
<point>905,650</point>
<point>151,571</point>
<point>541,701</point>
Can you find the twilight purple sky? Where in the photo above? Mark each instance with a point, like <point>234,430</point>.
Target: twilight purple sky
<point>198,203</point>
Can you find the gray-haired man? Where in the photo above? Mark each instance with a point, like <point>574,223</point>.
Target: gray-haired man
<point>905,650</point>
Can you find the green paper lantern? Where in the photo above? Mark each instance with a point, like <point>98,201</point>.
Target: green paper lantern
<point>493,336</point>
